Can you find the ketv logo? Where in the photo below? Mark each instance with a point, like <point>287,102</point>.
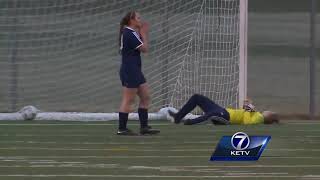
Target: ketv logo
<point>240,147</point>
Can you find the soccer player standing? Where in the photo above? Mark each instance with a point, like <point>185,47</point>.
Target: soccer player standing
<point>133,39</point>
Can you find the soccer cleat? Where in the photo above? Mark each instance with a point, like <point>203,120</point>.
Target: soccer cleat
<point>216,120</point>
<point>148,131</point>
<point>188,122</point>
<point>173,115</point>
<point>126,132</point>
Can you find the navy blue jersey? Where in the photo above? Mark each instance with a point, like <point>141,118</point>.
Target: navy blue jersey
<point>130,42</point>
<point>130,72</point>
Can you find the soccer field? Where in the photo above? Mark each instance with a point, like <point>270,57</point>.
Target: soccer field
<point>91,150</point>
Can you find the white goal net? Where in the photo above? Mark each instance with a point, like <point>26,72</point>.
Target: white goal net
<point>62,55</point>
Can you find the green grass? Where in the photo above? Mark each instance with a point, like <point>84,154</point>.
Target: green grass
<point>78,150</point>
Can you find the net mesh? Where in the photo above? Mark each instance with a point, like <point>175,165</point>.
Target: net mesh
<point>62,55</point>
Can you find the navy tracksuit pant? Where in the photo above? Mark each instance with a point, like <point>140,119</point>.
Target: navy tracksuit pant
<point>209,108</point>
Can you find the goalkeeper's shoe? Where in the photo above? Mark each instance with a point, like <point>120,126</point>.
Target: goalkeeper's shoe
<point>188,122</point>
<point>216,120</point>
<point>126,132</point>
<point>173,115</point>
<point>148,131</point>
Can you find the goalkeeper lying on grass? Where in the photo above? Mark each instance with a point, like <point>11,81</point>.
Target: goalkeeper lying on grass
<point>222,116</point>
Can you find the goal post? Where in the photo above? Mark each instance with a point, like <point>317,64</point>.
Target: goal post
<point>63,55</point>
<point>243,30</point>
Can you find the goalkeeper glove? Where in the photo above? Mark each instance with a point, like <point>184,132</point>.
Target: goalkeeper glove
<point>248,106</point>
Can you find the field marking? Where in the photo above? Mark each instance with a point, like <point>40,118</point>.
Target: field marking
<point>301,121</point>
<point>98,134</point>
<point>213,170</point>
<point>110,143</point>
<point>168,168</point>
<point>310,130</point>
<point>23,158</point>
<point>158,168</point>
<point>135,124</point>
<point>129,143</point>
<point>70,164</point>
<point>291,149</point>
<point>64,165</point>
<point>156,176</point>
<point>84,134</point>
<point>80,124</point>
<point>315,141</point>
<point>52,162</point>
<point>247,166</point>
<point>48,135</point>
<point>104,157</point>
<point>252,173</point>
<point>308,136</point>
<point>253,166</point>
<point>180,169</point>
<point>135,149</point>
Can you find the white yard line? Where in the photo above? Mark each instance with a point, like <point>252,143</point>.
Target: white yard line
<point>23,158</point>
<point>310,130</point>
<point>85,164</point>
<point>133,143</point>
<point>109,143</point>
<point>252,173</point>
<point>110,157</point>
<point>302,122</point>
<point>80,124</point>
<point>254,166</point>
<point>155,176</point>
<point>135,149</point>
<point>64,165</point>
<point>301,137</point>
<point>312,138</point>
<point>133,124</point>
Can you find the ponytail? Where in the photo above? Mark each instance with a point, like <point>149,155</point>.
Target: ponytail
<point>125,22</point>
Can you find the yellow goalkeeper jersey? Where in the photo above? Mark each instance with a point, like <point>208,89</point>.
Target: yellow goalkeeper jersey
<point>240,116</point>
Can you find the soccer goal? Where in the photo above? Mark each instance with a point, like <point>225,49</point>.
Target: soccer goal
<point>62,55</point>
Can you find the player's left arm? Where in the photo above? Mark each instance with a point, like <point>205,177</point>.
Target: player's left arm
<point>144,30</point>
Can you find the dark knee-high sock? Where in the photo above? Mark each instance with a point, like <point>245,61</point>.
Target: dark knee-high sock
<point>123,119</point>
<point>143,117</point>
<point>187,108</point>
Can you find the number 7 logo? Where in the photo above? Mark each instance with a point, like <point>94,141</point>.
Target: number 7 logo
<point>241,144</point>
